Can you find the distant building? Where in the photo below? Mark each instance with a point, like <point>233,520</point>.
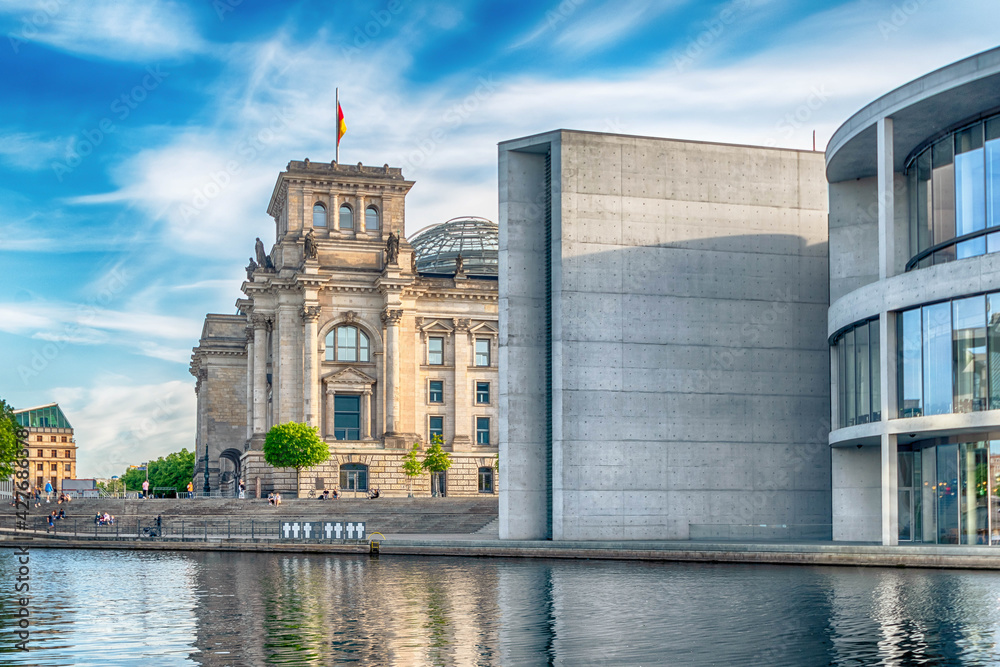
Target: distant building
<point>51,445</point>
<point>377,341</point>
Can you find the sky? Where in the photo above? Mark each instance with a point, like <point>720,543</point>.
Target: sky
<point>140,142</point>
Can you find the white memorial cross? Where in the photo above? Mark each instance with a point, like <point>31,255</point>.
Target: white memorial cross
<point>350,531</point>
<point>287,528</point>
<point>361,530</point>
<point>328,529</point>
<point>338,528</point>
<point>295,530</point>
<point>307,530</point>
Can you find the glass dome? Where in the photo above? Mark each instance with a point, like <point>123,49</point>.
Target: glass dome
<point>475,239</point>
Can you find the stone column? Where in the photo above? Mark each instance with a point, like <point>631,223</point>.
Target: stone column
<point>392,318</point>
<point>250,379</point>
<point>360,226</point>
<point>289,365</point>
<point>261,327</point>
<point>886,199</point>
<point>330,394</point>
<point>366,415</point>
<point>890,491</point>
<point>311,406</point>
<point>462,401</point>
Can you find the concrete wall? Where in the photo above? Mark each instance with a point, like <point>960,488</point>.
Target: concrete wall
<point>857,489</point>
<point>691,371</point>
<point>853,235</point>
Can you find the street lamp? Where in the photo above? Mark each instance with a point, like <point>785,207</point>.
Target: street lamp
<point>114,488</point>
<point>208,489</point>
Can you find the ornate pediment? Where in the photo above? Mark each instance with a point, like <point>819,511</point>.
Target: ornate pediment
<point>432,326</point>
<point>485,329</point>
<point>348,376</point>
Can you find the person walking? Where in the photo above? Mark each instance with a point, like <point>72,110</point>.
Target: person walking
<point>48,490</point>
<point>190,489</point>
<point>145,488</point>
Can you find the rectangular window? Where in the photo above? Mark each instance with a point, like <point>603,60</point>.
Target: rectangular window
<point>67,454</point>
<point>41,453</point>
<point>40,467</point>
<point>38,438</point>
<point>54,453</point>
<point>852,415</point>
<point>937,359</point>
<point>55,467</point>
<point>435,351</point>
<point>482,352</point>
<point>346,417</point>
<point>993,345</point>
<point>969,354</point>
<point>435,427</point>
<point>910,367</point>
<point>970,193</point>
<point>873,335</point>
<point>992,158</point>
<point>943,198</point>
<point>486,480</point>
<point>483,393</point>
<point>863,394</point>
<point>436,393</point>
<point>66,467</point>
<point>64,439</point>
<point>924,232</point>
<point>482,430</point>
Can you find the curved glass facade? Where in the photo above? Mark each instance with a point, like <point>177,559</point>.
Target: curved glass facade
<point>954,190</point>
<point>477,240</point>
<point>949,356</point>
<point>859,389</point>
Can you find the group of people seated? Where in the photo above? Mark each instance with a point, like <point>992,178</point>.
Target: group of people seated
<point>63,498</point>
<point>53,517</point>
<point>104,519</point>
<point>374,493</point>
<point>326,495</point>
<point>274,498</point>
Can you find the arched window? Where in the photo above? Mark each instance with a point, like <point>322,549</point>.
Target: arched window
<point>346,217</point>
<point>371,219</point>
<point>347,344</point>
<point>353,477</point>
<point>319,215</point>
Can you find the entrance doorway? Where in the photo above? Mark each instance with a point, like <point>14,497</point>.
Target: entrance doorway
<point>439,484</point>
<point>353,477</point>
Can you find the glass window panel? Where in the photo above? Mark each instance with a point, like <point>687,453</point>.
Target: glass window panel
<point>347,417</point>
<point>482,430</point>
<point>842,381</point>
<point>371,219</point>
<point>911,188</point>
<point>436,427</point>
<point>969,354</point>
<point>970,197</point>
<point>994,492</point>
<point>319,215</point>
<point>993,347</point>
<point>483,392</point>
<point>329,340</point>
<point>917,496</point>
<point>992,159</point>
<point>904,469</point>
<point>937,359</point>
<point>850,392</point>
<point>928,494</point>
<point>970,248</point>
<point>482,352</point>
<point>347,344</point>
<point>923,210</point>
<point>435,351</point>
<point>436,391</point>
<point>973,511</point>
<point>346,217</point>
<point>905,514</point>
<point>486,480</point>
<point>363,346</point>
<point>876,382</point>
<point>861,374</point>
<point>943,197</point>
<point>947,494</point>
<point>993,242</point>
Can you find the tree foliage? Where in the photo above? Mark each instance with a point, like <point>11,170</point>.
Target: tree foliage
<point>9,443</point>
<point>293,445</point>
<point>436,459</point>
<point>412,467</point>
<point>174,471</point>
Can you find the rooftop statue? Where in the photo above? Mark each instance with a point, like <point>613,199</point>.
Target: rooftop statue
<point>312,250</point>
<point>392,248</point>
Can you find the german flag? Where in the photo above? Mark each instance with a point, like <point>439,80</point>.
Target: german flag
<point>341,125</point>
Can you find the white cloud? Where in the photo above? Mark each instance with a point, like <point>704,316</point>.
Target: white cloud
<point>119,424</point>
<point>105,29</point>
<point>28,150</point>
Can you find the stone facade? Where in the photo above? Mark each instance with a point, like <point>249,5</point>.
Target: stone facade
<point>340,330</point>
<point>51,445</point>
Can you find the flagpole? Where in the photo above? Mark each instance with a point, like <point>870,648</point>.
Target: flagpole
<point>336,123</point>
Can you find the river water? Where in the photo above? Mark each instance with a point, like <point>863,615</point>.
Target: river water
<point>188,608</point>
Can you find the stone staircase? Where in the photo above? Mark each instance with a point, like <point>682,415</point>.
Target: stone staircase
<point>387,515</point>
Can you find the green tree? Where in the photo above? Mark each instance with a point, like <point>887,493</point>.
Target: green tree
<point>9,444</point>
<point>174,471</point>
<point>412,467</point>
<point>436,460</point>
<point>293,445</point>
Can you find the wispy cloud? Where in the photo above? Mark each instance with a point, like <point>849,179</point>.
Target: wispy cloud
<point>28,150</point>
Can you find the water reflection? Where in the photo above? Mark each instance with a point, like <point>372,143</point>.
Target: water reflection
<point>107,608</point>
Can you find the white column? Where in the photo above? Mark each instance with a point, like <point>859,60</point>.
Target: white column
<point>311,406</point>
<point>289,365</point>
<point>366,415</point>
<point>890,488</point>
<point>330,394</point>
<point>261,327</point>
<point>392,361</point>
<point>360,224</point>
<point>250,380</point>
<point>886,203</point>
<point>461,407</point>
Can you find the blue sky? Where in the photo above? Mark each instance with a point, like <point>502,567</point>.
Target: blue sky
<point>140,141</point>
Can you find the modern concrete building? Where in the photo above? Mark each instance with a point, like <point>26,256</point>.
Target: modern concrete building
<point>376,341</point>
<point>664,369</point>
<point>51,445</point>
<point>914,320</point>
